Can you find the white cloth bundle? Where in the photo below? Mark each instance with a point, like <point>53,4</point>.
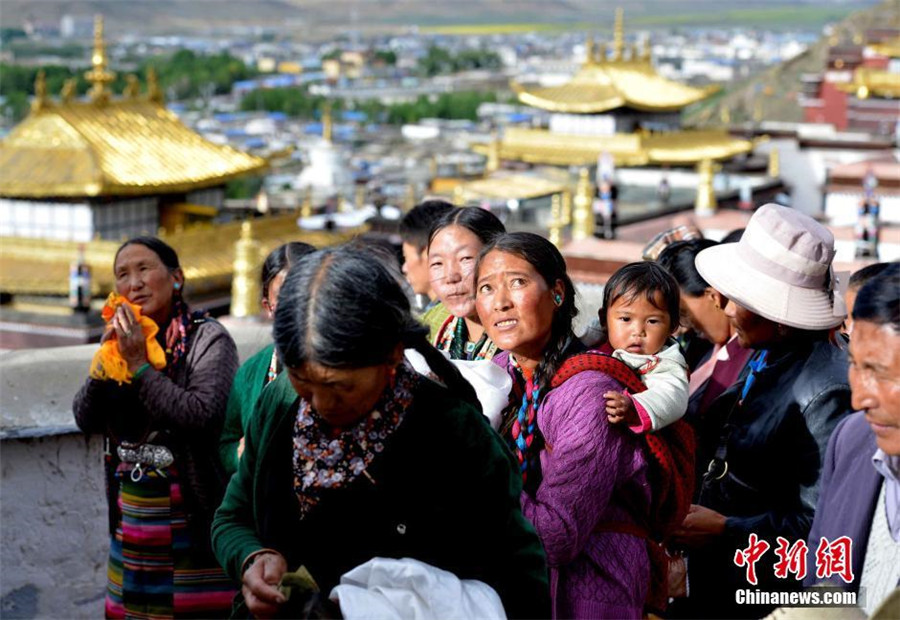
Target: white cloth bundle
<point>492,384</point>
<point>388,589</point>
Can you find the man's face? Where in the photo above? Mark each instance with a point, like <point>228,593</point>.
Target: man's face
<point>415,268</point>
<point>875,381</point>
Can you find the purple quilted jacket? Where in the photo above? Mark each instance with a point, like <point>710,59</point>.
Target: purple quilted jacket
<point>593,472</point>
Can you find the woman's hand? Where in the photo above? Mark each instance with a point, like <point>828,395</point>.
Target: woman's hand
<point>261,581</point>
<point>130,338</point>
<point>701,526</point>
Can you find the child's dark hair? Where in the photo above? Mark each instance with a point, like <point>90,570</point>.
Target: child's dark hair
<point>861,276</point>
<point>647,279</point>
<point>416,225</point>
<point>280,259</point>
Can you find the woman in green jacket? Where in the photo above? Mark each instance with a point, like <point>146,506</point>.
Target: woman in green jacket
<point>262,368</point>
<point>366,458</point>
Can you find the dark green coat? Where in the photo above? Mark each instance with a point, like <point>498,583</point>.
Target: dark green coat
<point>248,385</point>
<point>444,491</point>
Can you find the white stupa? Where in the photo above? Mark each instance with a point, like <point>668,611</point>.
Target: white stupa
<point>326,175</point>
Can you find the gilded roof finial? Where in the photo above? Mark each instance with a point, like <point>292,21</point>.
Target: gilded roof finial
<point>635,54</point>
<point>601,52</point>
<point>619,35</point>
<point>583,216</point>
<point>132,86</point>
<point>154,93</point>
<point>99,75</point>
<point>705,203</point>
<point>327,123</point>
<point>589,58</point>
<point>40,91</point>
<point>646,52</point>
<point>68,90</point>
<point>245,291</point>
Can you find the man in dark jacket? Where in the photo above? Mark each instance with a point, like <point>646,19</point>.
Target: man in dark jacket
<point>860,497</point>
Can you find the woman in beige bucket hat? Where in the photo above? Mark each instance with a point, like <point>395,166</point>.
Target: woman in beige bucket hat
<point>777,418</point>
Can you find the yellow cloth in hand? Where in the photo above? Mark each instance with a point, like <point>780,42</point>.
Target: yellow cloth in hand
<point>108,363</point>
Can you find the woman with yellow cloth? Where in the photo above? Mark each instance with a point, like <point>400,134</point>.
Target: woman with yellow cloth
<point>161,423</point>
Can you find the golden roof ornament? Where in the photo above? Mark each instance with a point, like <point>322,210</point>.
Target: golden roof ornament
<point>40,92</point>
<point>566,207</point>
<point>493,159</point>
<point>589,57</point>
<point>705,204</point>
<point>67,94</point>
<point>619,35</point>
<point>601,52</point>
<point>556,221</point>
<point>774,170</point>
<point>583,216</point>
<point>154,93</point>
<point>245,290</point>
<point>646,52</point>
<point>132,86</point>
<point>306,209</point>
<point>327,123</point>
<point>99,75</point>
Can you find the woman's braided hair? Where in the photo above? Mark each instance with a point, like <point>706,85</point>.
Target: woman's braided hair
<point>551,266</point>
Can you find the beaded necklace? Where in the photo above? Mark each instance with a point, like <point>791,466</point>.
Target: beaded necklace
<point>453,338</point>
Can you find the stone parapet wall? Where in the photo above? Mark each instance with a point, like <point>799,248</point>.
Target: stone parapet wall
<point>53,515</point>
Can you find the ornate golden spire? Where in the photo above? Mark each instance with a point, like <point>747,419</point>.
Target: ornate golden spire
<point>646,52</point>
<point>154,93</point>
<point>40,92</point>
<point>589,58</point>
<point>99,75</point>
<point>601,52</point>
<point>68,90</point>
<point>327,123</point>
<point>619,35</point>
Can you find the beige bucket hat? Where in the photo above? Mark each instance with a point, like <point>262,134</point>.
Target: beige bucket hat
<point>781,269</point>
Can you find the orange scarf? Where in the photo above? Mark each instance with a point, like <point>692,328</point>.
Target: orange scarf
<point>108,363</point>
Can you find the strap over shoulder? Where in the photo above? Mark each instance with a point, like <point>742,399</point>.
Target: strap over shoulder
<point>600,362</point>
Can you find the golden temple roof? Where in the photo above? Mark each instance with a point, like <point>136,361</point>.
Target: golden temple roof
<point>539,146</point>
<point>604,84</point>
<point>889,48</point>
<point>102,147</point>
<point>206,252</point>
<point>868,82</point>
<point>508,187</point>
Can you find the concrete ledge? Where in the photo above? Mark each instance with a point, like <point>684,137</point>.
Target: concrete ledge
<point>37,385</point>
<point>54,538</point>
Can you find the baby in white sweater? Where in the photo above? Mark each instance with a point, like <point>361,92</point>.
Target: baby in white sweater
<point>639,315</point>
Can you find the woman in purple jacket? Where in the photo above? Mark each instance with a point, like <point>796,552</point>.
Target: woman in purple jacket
<point>585,481</point>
